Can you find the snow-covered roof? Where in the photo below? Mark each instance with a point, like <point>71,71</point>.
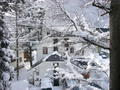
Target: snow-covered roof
<point>55,56</point>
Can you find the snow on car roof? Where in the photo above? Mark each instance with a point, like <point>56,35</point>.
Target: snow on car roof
<point>46,83</point>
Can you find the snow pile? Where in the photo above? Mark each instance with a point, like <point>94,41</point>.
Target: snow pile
<point>19,85</point>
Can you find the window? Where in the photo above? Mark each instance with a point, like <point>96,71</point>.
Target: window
<point>56,65</point>
<point>20,59</point>
<point>66,45</point>
<point>55,41</point>
<point>29,29</point>
<point>55,48</point>
<point>71,50</point>
<point>48,33</point>
<point>37,79</point>
<point>37,73</point>
<point>45,50</point>
<point>66,39</point>
<point>67,49</point>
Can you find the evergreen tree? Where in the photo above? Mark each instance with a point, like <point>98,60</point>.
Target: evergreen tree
<point>5,53</point>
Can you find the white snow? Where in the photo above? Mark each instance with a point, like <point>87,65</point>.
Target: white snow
<point>84,18</point>
<point>20,85</point>
<point>6,76</point>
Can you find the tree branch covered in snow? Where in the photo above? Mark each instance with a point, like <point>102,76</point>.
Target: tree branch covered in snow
<point>102,4</point>
<point>83,32</point>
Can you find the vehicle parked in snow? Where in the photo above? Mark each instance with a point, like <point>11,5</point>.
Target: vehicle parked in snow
<point>71,84</point>
<point>103,54</point>
<point>46,84</point>
<point>80,62</point>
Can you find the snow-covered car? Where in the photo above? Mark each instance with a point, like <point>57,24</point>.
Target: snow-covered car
<point>82,63</point>
<point>104,55</point>
<point>74,88</point>
<point>71,84</point>
<point>46,84</point>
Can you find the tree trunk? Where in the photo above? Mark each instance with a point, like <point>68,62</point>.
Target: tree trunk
<point>115,45</point>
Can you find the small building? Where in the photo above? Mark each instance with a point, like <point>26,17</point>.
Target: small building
<point>46,67</point>
<point>59,42</point>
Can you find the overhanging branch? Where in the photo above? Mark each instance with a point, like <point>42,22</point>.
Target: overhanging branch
<point>96,44</point>
<point>74,24</point>
<point>103,7</point>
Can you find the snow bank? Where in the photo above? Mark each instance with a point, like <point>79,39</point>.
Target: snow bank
<point>19,85</point>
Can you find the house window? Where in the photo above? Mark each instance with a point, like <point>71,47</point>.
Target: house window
<point>66,39</point>
<point>20,59</point>
<point>29,28</point>
<point>45,50</point>
<point>37,73</point>
<point>55,41</point>
<point>71,50</point>
<point>82,52</point>
<point>66,45</point>
<point>48,33</point>
<point>55,48</point>
<point>56,65</point>
<point>37,79</point>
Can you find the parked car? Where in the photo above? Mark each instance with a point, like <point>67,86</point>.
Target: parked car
<point>82,63</point>
<point>46,84</point>
<point>71,84</point>
<point>103,54</point>
<point>75,88</point>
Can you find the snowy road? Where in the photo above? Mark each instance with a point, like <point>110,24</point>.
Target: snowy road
<point>57,88</point>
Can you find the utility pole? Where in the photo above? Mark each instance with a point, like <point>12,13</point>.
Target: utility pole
<point>17,43</point>
<point>30,53</point>
<point>30,50</point>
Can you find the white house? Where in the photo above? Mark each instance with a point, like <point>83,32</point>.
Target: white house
<point>46,67</point>
<point>57,41</point>
<point>60,42</point>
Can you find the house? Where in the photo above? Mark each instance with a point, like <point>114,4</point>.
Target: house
<point>57,41</point>
<point>20,60</point>
<point>46,68</point>
<point>47,75</point>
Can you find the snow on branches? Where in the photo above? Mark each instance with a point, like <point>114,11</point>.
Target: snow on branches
<point>102,4</point>
<point>82,28</point>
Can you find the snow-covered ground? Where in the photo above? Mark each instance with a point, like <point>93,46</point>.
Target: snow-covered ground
<point>19,85</point>
<point>23,84</point>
